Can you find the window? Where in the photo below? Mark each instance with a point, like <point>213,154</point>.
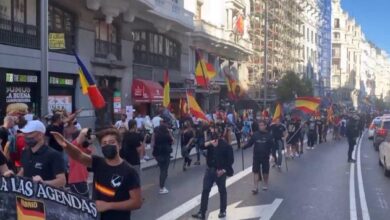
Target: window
<point>336,23</point>
<point>61,21</point>
<point>336,35</point>
<point>156,50</point>
<point>312,37</point>
<point>107,40</point>
<point>18,26</point>
<point>308,34</point>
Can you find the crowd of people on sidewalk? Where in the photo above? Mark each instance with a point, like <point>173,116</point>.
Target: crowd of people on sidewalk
<point>59,152</point>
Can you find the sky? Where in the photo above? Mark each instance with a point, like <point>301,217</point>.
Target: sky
<point>374,17</point>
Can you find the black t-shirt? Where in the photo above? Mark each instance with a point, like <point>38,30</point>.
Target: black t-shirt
<point>319,125</point>
<point>277,131</point>
<point>52,142</point>
<point>186,137</point>
<point>311,126</point>
<point>293,131</point>
<point>131,141</point>
<point>3,136</point>
<point>3,160</point>
<point>46,163</point>
<point>112,184</point>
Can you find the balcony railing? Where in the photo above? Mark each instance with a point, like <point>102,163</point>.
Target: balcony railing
<point>28,36</point>
<point>103,48</point>
<point>146,58</point>
<point>19,34</point>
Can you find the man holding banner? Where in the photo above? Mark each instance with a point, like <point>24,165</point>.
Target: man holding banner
<point>39,161</point>
<point>117,188</point>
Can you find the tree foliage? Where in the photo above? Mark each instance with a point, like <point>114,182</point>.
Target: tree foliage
<point>290,85</point>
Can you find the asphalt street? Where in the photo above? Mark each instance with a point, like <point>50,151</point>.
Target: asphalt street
<point>317,185</point>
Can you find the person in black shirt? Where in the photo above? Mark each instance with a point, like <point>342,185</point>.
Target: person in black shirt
<point>220,159</point>
<point>117,188</point>
<point>263,143</point>
<point>320,127</point>
<point>39,161</point>
<point>55,126</point>
<point>162,140</point>
<point>132,146</point>
<point>278,131</point>
<point>187,143</point>
<point>293,129</point>
<point>4,171</point>
<point>352,132</point>
<point>312,133</point>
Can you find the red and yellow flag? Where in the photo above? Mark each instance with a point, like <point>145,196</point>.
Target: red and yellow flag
<point>194,107</point>
<point>204,71</point>
<point>166,99</point>
<point>330,116</point>
<point>278,112</point>
<point>88,86</point>
<point>240,25</point>
<point>235,91</point>
<point>307,104</point>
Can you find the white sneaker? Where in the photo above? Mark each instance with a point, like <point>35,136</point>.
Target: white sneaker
<point>146,157</point>
<point>143,161</point>
<point>163,191</point>
<point>148,147</point>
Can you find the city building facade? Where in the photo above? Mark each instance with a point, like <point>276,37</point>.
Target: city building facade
<point>359,68</point>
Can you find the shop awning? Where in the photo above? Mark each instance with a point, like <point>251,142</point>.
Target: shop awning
<point>146,91</point>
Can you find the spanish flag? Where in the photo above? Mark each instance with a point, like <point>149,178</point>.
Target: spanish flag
<point>330,116</point>
<point>307,104</point>
<point>183,107</point>
<point>88,86</point>
<point>204,71</point>
<point>239,25</point>
<point>167,99</point>
<point>194,107</point>
<point>234,89</point>
<point>278,113</point>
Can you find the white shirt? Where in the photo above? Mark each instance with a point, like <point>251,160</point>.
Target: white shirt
<point>156,121</point>
<point>120,124</point>
<point>140,122</point>
<point>230,118</point>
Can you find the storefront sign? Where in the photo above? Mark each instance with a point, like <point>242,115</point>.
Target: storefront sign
<point>56,41</point>
<point>21,198</point>
<point>139,91</point>
<point>61,81</point>
<point>18,94</point>
<point>117,102</point>
<point>56,102</point>
<point>14,78</point>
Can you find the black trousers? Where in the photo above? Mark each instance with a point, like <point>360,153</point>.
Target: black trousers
<point>311,138</point>
<point>209,178</point>
<point>238,138</point>
<point>351,146</point>
<point>163,164</point>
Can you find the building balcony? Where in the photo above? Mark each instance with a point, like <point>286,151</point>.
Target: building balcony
<point>104,48</point>
<point>226,41</point>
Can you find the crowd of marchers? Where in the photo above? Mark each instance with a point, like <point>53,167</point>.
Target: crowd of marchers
<point>58,151</point>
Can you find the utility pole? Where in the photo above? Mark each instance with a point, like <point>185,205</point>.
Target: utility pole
<point>44,79</point>
<point>265,53</point>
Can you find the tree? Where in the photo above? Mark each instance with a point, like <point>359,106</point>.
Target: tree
<point>291,85</point>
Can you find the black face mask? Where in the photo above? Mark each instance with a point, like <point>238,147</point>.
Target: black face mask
<point>109,151</point>
<point>85,144</point>
<point>30,142</point>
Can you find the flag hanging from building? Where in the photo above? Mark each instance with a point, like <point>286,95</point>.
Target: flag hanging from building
<point>167,88</point>
<point>307,104</point>
<point>88,86</point>
<point>278,114</point>
<point>204,71</point>
<point>194,107</point>
<point>239,25</point>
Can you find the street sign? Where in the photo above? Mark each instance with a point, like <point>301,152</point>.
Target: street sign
<point>56,41</point>
<point>263,212</point>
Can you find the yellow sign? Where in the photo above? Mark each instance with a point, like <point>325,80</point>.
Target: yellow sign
<point>56,41</point>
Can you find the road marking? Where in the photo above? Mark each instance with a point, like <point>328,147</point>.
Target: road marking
<point>352,196</point>
<point>263,212</point>
<point>192,203</point>
<point>362,195</point>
